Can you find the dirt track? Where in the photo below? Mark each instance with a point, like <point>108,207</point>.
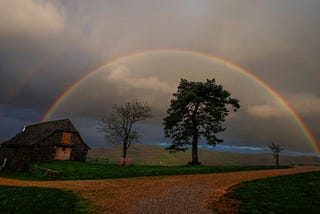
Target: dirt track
<point>174,194</point>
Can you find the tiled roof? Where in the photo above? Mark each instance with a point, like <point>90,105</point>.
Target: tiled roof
<point>34,133</point>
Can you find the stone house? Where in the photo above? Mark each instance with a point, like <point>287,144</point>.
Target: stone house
<point>53,140</point>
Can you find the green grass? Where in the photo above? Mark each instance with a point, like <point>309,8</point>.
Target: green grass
<point>71,170</point>
<point>298,193</point>
<point>20,200</point>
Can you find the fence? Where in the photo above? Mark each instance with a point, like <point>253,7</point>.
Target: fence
<point>97,160</point>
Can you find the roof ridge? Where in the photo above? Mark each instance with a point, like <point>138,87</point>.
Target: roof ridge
<point>47,122</point>
<point>34,133</point>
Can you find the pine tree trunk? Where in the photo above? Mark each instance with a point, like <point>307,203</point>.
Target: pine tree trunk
<point>195,136</point>
<point>195,160</point>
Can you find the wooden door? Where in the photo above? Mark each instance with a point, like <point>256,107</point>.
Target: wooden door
<point>62,153</point>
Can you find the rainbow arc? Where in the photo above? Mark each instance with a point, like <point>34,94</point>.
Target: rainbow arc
<point>303,127</point>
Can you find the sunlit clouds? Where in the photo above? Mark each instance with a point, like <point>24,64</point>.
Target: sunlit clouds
<point>121,74</point>
<point>30,19</point>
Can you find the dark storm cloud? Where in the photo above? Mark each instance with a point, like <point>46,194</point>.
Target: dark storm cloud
<point>45,46</point>
<point>40,54</point>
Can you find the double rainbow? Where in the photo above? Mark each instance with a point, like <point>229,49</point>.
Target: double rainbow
<point>226,63</point>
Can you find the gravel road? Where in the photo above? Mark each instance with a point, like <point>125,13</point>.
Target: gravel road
<point>167,194</point>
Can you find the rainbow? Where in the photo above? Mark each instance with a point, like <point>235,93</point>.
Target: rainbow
<point>303,127</point>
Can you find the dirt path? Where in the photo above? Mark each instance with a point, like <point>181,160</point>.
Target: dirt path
<point>172,194</point>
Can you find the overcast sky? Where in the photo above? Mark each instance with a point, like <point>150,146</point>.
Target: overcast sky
<point>46,46</point>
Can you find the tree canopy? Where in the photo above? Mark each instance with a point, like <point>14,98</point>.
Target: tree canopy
<point>119,126</point>
<point>197,110</point>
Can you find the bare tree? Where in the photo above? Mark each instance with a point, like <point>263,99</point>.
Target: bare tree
<point>120,125</point>
<point>276,150</point>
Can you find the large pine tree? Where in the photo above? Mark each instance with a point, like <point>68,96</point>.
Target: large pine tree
<point>197,110</point>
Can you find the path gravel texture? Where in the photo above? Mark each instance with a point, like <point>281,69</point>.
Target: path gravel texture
<point>167,194</point>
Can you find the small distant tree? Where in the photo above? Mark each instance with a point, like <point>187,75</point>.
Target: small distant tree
<point>276,151</point>
<point>197,110</point>
<point>119,126</point>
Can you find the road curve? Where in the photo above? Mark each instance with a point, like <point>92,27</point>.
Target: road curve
<point>167,194</point>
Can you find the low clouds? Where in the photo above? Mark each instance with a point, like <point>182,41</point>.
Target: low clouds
<point>267,111</point>
<point>121,74</point>
<point>305,105</point>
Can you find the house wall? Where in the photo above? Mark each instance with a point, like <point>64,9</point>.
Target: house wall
<point>18,158</point>
<point>45,150</point>
<point>79,150</point>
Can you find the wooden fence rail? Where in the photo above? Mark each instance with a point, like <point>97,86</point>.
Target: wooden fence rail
<point>97,160</point>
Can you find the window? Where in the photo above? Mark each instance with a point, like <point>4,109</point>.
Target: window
<point>66,138</point>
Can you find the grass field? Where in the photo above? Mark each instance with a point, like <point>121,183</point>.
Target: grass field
<point>142,154</point>
<point>298,193</point>
<point>20,200</point>
<point>71,170</point>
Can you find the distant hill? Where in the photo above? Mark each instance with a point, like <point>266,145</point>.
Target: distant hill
<point>156,155</point>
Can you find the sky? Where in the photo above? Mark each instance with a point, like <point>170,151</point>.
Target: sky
<point>47,46</point>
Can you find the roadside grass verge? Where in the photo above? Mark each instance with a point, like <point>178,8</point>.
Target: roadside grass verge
<point>72,170</point>
<point>299,193</point>
<point>20,200</point>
